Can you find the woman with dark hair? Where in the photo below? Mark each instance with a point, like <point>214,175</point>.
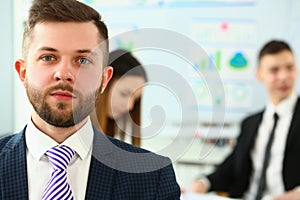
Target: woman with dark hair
<point>118,109</point>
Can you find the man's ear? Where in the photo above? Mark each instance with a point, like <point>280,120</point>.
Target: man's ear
<point>107,74</point>
<point>20,67</point>
<point>258,74</point>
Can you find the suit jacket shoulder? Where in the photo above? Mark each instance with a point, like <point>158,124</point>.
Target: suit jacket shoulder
<point>232,175</point>
<point>253,118</point>
<point>130,172</point>
<point>126,146</point>
<point>13,173</point>
<point>9,141</point>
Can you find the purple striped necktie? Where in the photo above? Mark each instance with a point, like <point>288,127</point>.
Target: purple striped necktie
<point>58,187</point>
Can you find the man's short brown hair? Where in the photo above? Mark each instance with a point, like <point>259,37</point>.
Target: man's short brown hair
<point>274,47</point>
<point>64,11</point>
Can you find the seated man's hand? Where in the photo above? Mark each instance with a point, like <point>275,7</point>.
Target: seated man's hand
<point>289,195</point>
<point>199,186</point>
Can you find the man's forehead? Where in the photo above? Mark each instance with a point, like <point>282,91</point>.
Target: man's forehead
<point>59,37</point>
<point>68,30</point>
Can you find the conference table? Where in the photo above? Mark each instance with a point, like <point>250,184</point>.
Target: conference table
<point>193,196</point>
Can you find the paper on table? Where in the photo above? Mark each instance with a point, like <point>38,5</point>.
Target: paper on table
<point>193,196</point>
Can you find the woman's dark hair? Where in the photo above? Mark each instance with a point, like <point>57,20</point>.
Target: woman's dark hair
<point>124,64</point>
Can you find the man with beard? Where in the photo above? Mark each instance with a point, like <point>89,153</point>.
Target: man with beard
<point>59,155</point>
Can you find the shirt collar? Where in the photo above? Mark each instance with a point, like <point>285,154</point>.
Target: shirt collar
<point>284,107</point>
<point>38,142</point>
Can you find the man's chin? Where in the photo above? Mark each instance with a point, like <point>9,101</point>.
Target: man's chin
<point>284,95</point>
<point>61,123</point>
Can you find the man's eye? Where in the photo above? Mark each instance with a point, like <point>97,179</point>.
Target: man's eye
<point>84,61</point>
<point>48,58</point>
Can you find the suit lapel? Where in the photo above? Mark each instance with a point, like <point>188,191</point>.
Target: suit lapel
<point>243,161</point>
<point>100,181</point>
<point>294,128</point>
<point>252,130</point>
<point>102,172</point>
<point>13,175</point>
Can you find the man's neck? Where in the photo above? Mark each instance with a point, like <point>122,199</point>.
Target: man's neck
<point>59,134</point>
<point>277,101</point>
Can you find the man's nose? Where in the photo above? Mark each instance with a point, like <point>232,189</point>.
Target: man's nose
<point>64,73</point>
<point>284,74</point>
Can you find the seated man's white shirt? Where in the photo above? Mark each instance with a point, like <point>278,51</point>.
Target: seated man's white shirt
<point>274,179</point>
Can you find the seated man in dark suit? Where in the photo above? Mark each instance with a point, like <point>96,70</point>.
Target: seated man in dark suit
<point>265,161</point>
<point>59,155</point>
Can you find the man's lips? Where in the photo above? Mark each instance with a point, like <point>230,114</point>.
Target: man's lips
<point>63,95</point>
<point>283,88</point>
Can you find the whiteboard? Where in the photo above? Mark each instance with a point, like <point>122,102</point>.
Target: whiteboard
<point>229,32</point>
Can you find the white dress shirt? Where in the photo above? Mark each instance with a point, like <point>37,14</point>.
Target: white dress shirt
<point>39,168</point>
<point>274,181</point>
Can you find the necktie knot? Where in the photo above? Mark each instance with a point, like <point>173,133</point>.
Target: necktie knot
<point>60,157</point>
<point>275,117</point>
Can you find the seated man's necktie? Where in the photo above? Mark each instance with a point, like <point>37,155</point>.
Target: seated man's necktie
<point>262,182</point>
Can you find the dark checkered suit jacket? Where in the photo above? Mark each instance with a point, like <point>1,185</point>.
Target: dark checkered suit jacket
<point>112,175</point>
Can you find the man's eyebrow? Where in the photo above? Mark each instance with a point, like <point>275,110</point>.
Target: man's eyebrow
<point>87,51</point>
<point>77,51</point>
<point>47,49</point>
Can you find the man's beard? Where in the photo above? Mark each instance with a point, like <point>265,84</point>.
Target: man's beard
<point>57,116</point>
